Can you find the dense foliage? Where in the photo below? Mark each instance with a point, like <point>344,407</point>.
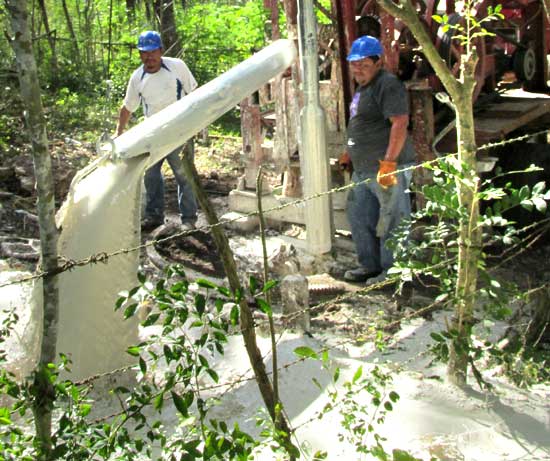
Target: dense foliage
<point>91,47</point>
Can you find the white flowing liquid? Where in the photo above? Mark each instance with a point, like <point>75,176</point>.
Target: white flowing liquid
<point>102,212</point>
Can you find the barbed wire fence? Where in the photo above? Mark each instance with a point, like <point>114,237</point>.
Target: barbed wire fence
<point>285,319</point>
<point>101,257</point>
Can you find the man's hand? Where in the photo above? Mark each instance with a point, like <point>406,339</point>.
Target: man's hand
<point>123,117</point>
<point>344,162</point>
<point>386,174</point>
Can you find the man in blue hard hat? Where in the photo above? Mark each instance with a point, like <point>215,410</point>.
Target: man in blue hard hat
<point>157,83</point>
<point>377,145</point>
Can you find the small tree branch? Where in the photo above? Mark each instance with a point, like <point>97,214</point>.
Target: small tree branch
<point>405,11</point>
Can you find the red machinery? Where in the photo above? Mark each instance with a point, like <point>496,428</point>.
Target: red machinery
<point>520,42</point>
<point>517,51</point>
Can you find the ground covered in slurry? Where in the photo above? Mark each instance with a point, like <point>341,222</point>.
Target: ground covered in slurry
<point>431,419</point>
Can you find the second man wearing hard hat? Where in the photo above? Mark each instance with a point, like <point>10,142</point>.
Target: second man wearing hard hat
<point>377,144</point>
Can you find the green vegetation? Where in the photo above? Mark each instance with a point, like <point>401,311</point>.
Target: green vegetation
<point>215,36</point>
<point>434,259</point>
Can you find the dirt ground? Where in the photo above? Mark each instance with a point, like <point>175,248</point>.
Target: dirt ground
<point>220,164</point>
<point>433,417</point>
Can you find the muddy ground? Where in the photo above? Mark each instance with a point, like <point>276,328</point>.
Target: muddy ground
<point>434,417</point>
<point>220,164</point>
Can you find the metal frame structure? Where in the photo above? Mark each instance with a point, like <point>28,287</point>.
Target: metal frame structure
<point>520,45</point>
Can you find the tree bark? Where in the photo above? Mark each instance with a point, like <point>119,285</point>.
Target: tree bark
<point>461,93</point>
<point>149,14</point>
<point>36,125</point>
<point>167,21</point>
<point>71,29</point>
<point>86,22</point>
<point>469,238</point>
<point>51,38</point>
<point>247,321</point>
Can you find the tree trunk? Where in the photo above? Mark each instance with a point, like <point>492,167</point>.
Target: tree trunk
<point>461,93</point>
<point>87,31</point>
<point>110,38</point>
<point>167,20</point>
<point>51,38</point>
<point>131,9</point>
<point>148,11</point>
<point>469,238</point>
<point>36,124</point>
<point>71,29</point>
<point>247,321</point>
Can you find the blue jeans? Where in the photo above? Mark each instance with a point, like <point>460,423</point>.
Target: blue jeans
<point>154,187</point>
<point>366,202</point>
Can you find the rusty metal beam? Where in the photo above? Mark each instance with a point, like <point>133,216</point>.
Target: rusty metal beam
<point>345,15</point>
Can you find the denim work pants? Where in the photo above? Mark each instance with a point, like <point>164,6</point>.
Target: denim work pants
<point>154,187</point>
<point>367,202</point>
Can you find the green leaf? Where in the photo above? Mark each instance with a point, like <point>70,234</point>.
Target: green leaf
<point>402,455</point>
<point>203,361</point>
<point>357,374</point>
<point>224,291</point>
<point>168,353</point>
<point>540,204</point>
<point>180,404</point>
<point>269,285</point>
<point>151,319</point>
<point>234,315</point>
<point>394,396</point>
<point>119,302</point>
<point>85,409</point>
<point>206,284</point>
<point>142,365</point>
<point>527,204</point>
<point>213,375</point>
<point>182,315</point>
<point>539,187</point>
<point>200,303</point>
<point>130,310</point>
<point>158,401</point>
<point>524,193</point>
<point>437,337</point>
<point>141,277</point>
<point>253,284</point>
<point>264,306</point>
<point>5,416</point>
<point>133,350</point>
<point>306,352</point>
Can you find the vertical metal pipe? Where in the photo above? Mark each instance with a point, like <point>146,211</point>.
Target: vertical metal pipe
<point>313,146</point>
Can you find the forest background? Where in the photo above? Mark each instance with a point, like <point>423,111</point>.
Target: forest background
<point>86,51</point>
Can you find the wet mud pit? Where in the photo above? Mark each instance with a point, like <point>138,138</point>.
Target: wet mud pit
<point>196,251</point>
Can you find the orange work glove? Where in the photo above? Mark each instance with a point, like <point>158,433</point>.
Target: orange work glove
<point>344,162</point>
<point>386,174</point>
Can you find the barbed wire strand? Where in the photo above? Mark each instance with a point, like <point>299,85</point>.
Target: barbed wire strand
<point>102,257</point>
<point>242,379</point>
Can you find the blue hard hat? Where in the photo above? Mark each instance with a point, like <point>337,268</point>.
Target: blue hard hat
<point>149,41</point>
<point>365,47</point>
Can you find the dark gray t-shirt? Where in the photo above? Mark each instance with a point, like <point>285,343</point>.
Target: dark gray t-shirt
<point>369,125</point>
